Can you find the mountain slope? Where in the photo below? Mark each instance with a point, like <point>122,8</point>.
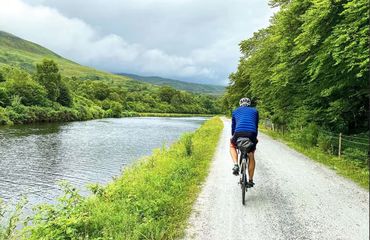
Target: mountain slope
<point>25,54</point>
<point>180,85</point>
<point>26,97</point>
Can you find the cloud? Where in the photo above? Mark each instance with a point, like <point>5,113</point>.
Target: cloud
<point>186,39</point>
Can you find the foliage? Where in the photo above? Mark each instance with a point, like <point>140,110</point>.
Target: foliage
<point>48,97</point>
<point>48,76</point>
<point>311,65</point>
<point>4,97</point>
<point>19,83</point>
<point>8,230</point>
<point>151,200</point>
<point>50,86</point>
<point>65,97</point>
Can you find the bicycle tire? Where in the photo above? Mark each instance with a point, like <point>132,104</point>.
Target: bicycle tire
<point>244,181</point>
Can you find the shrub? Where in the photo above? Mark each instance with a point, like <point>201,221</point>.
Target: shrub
<point>31,92</point>
<point>4,97</point>
<point>307,136</point>
<point>2,79</point>
<point>324,143</point>
<point>360,156</point>
<point>4,117</point>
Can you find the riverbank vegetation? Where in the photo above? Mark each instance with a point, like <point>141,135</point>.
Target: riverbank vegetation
<point>151,200</point>
<point>47,96</point>
<point>308,75</point>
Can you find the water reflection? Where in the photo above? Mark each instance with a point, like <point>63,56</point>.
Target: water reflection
<point>33,158</point>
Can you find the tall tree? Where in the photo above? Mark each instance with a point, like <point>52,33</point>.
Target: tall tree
<point>48,76</point>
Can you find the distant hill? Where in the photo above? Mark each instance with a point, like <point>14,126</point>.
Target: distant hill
<point>25,54</point>
<point>180,85</point>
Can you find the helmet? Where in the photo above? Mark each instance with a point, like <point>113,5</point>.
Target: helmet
<point>245,102</point>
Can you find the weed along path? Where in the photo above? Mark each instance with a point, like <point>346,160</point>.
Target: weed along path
<point>294,198</point>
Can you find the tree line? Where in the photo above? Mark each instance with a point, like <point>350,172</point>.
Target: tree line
<point>47,96</point>
<point>310,67</point>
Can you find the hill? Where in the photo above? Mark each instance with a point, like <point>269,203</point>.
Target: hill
<point>37,85</point>
<point>180,85</point>
<point>25,54</point>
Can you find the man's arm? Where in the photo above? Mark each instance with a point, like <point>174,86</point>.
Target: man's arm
<point>233,123</point>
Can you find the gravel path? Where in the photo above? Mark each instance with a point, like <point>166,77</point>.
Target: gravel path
<point>294,198</point>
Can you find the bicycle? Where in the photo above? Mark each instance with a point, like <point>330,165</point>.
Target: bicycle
<point>244,146</point>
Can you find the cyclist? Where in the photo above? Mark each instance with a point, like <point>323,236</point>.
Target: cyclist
<point>244,124</point>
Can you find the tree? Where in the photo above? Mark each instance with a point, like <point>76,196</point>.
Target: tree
<point>310,65</point>
<point>48,76</point>
<point>64,98</point>
<point>166,93</point>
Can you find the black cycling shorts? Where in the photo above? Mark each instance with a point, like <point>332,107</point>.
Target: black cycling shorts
<point>251,135</point>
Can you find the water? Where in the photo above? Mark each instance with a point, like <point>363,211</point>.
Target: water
<point>34,158</point>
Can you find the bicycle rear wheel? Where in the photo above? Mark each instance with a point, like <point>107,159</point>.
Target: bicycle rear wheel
<point>244,180</point>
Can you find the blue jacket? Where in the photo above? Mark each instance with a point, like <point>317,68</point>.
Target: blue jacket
<point>244,119</point>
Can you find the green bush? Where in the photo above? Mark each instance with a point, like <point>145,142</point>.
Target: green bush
<point>4,117</point>
<point>324,143</point>
<point>307,136</point>
<point>2,79</point>
<point>8,230</point>
<point>31,92</point>
<point>357,155</point>
<point>4,97</point>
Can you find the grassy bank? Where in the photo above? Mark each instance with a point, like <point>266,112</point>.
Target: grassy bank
<point>171,115</point>
<point>151,200</point>
<point>359,173</point>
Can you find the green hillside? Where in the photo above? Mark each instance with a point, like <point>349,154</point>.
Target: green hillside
<point>180,85</point>
<point>37,85</point>
<point>25,54</point>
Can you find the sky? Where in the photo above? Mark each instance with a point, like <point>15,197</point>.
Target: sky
<point>189,40</point>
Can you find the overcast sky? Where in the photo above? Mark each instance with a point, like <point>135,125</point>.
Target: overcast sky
<point>190,40</point>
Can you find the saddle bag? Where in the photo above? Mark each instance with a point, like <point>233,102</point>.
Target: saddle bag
<point>244,144</point>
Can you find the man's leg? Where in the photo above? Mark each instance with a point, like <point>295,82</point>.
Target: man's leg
<point>233,153</point>
<point>234,156</point>
<point>252,164</point>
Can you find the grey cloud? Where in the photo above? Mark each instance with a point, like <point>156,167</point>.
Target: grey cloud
<point>185,39</point>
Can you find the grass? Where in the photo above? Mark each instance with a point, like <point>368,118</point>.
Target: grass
<point>171,115</point>
<point>151,200</point>
<point>342,166</point>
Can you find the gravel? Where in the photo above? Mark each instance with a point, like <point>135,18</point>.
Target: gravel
<point>294,198</point>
